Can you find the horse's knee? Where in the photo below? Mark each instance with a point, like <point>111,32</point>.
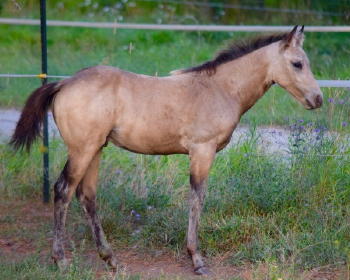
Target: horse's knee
<point>191,248</point>
<point>89,205</point>
<point>105,253</point>
<point>87,201</point>
<point>79,193</point>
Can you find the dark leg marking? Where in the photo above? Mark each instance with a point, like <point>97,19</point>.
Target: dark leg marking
<point>104,249</point>
<point>61,186</point>
<point>60,210</point>
<point>196,205</point>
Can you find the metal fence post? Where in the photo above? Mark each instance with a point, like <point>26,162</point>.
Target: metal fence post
<point>45,150</point>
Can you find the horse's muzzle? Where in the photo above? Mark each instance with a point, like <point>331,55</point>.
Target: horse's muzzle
<point>314,102</point>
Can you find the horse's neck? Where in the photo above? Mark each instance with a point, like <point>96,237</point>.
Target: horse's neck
<point>246,79</point>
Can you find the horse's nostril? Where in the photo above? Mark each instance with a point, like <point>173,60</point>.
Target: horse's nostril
<point>318,101</point>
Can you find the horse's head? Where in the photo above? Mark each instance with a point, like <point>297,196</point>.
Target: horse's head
<point>291,70</point>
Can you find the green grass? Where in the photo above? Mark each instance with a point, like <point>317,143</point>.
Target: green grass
<point>31,268</point>
<point>259,209</point>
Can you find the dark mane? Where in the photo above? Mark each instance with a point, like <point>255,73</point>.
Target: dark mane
<point>234,51</point>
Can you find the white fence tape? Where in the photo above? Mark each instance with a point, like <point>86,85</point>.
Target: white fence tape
<point>118,25</point>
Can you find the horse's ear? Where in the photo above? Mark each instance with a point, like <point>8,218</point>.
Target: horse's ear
<point>288,40</point>
<point>300,36</point>
<point>294,38</point>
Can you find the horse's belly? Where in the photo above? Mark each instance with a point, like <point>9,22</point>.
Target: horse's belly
<point>147,143</point>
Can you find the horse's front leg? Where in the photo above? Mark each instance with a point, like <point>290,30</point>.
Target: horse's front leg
<point>201,157</point>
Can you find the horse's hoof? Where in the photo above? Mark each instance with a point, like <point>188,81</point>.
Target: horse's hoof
<point>202,270</point>
<point>112,262</point>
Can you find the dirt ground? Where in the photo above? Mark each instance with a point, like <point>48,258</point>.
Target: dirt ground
<point>25,229</point>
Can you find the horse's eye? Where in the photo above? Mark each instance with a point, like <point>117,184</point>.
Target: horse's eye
<point>297,65</point>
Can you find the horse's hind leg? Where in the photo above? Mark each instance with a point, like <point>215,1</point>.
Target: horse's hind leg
<point>64,189</point>
<point>86,193</point>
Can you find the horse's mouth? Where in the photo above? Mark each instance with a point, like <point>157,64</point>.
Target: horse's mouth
<point>314,105</point>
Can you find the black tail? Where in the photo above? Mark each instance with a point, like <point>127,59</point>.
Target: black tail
<point>32,117</point>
